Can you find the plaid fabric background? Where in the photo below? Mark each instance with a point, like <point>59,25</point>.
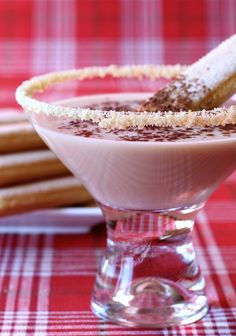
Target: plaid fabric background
<point>46,280</point>
<point>37,36</point>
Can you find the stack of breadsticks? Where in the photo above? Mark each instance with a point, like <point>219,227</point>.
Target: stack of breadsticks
<point>31,176</point>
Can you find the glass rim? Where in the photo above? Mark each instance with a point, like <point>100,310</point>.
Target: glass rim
<point>112,119</point>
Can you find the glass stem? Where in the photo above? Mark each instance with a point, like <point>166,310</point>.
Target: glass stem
<point>149,269</point>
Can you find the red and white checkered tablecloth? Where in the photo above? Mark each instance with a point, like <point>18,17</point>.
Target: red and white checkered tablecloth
<point>38,36</point>
<point>46,280</point>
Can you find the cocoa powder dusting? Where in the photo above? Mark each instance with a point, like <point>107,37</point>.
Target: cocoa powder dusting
<point>176,96</point>
<point>148,133</point>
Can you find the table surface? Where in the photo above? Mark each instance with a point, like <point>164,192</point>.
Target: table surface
<point>46,279</point>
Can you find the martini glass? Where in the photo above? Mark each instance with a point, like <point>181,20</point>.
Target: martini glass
<point>149,182</point>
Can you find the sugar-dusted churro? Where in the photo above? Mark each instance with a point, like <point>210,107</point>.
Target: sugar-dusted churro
<point>29,166</point>
<point>11,116</point>
<point>19,136</point>
<point>46,194</point>
<point>206,84</point>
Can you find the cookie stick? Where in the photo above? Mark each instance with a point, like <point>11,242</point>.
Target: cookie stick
<point>54,192</point>
<point>206,84</point>
<point>29,166</point>
<point>19,136</point>
<point>11,116</point>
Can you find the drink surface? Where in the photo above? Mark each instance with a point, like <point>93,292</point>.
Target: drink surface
<point>147,169</point>
<point>125,102</point>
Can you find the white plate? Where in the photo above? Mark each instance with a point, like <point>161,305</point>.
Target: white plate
<point>65,220</point>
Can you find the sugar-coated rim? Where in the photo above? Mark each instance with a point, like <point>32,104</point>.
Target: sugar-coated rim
<point>113,119</point>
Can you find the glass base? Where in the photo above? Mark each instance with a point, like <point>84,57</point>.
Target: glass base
<point>149,275</point>
<point>160,316</point>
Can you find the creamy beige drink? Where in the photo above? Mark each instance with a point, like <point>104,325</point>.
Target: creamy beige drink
<point>143,169</point>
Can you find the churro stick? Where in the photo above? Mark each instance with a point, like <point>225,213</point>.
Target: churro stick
<point>11,116</point>
<point>29,166</point>
<point>206,84</point>
<point>38,195</point>
<point>19,136</point>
